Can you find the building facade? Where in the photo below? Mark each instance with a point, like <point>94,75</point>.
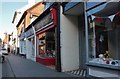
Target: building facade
<point>77,35</point>
<point>103,39</point>
<point>97,49</point>
<point>28,16</point>
<point>45,30</point>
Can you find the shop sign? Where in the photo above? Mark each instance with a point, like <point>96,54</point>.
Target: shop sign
<point>46,20</point>
<point>29,32</point>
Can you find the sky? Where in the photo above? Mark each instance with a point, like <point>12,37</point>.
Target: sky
<point>7,10</point>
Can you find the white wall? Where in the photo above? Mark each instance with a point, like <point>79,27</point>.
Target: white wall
<point>102,72</point>
<point>22,47</point>
<point>28,49</point>
<point>69,42</point>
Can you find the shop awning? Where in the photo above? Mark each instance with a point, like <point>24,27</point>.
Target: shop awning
<point>111,8</point>
<point>116,19</point>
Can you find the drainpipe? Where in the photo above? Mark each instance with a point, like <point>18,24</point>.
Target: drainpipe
<point>35,42</point>
<point>86,30</point>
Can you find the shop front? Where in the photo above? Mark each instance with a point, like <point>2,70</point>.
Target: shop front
<point>30,44</point>
<point>103,39</point>
<point>45,36</point>
<point>22,44</point>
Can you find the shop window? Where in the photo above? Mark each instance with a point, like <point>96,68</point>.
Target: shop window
<point>42,47</point>
<point>47,44</point>
<point>50,44</point>
<point>104,40</point>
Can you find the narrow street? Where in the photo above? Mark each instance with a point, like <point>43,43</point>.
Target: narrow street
<point>76,39</point>
<point>16,66</point>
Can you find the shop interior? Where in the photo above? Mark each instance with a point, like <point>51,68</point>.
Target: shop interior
<point>46,48</point>
<point>104,40</point>
<point>47,44</point>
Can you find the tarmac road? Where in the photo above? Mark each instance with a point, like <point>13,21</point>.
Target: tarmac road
<point>15,66</point>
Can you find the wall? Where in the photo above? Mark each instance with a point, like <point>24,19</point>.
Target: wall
<point>27,20</point>
<point>35,10</point>
<point>69,42</point>
<point>38,9</point>
<point>29,49</point>
<point>19,28</point>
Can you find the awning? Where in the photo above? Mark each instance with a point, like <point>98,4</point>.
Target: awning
<point>111,8</point>
<point>116,19</point>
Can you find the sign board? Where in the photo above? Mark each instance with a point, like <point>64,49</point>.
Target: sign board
<point>29,32</point>
<point>47,19</point>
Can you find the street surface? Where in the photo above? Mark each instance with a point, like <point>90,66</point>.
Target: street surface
<point>15,66</point>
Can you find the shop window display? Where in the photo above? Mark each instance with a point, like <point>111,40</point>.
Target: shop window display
<point>104,40</point>
<point>47,44</point>
<point>50,44</point>
<point>42,46</point>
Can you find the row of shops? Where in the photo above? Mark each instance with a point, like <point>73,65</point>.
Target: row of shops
<point>76,35</point>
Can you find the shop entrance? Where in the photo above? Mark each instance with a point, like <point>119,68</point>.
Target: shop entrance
<point>72,43</point>
<point>73,40</point>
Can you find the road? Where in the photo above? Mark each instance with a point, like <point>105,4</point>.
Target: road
<point>16,66</point>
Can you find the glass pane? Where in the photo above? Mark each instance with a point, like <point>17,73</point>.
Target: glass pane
<point>104,40</point>
<point>91,40</point>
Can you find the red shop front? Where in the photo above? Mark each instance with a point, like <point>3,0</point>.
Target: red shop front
<point>45,33</point>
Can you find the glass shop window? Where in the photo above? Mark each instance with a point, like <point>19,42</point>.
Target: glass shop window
<point>42,47</point>
<point>50,44</point>
<point>104,39</point>
<point>46,45</point>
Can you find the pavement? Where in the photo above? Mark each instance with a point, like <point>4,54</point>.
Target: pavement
<point>6,69</point>
<point>0,70</point>
<point>16,66</point>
